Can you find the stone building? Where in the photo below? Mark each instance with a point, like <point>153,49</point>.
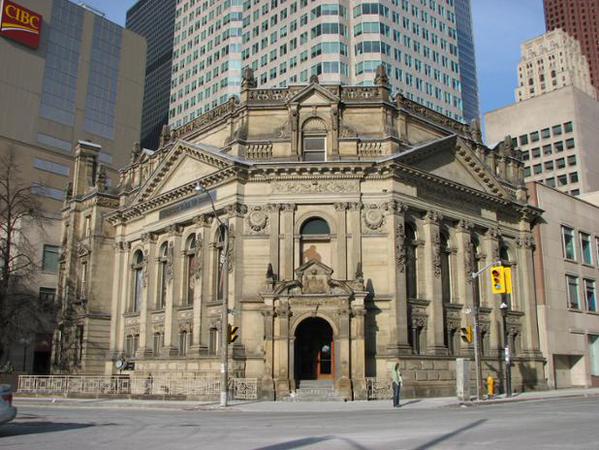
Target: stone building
<point>355,219</point>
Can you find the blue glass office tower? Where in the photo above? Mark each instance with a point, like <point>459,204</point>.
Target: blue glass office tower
<point>155,21</point>
<point>467,59</point>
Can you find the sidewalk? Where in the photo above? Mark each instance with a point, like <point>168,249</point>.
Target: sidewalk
<point>292,406</point>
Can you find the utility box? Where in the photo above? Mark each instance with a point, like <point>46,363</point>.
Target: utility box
<point>462,379</point>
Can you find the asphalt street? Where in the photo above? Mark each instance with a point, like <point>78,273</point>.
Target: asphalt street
<point>550,424</point>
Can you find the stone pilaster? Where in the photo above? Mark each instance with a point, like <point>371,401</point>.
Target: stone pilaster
<point>491,249</point>
<point>526,293</point>
<point>170,326</point>
<point>433,288</point>
<point>201,330</point>
<point>275,231</point>
<point>399,307</point>
<point>342,269</point>
<point>343,383</point>
<point>147,305</point>
<point>287,257</point>
<point>281,353</point>
<point>120,291</point>
<point>354,256</point>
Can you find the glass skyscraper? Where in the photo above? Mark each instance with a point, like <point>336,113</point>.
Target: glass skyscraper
<point>467,59</point>
<point>155,20</point>
<point>340,41</point>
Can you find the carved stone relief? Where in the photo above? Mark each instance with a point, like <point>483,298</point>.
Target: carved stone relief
<point>373,217</point>
<point>257,219</point>
<point>325,186</point>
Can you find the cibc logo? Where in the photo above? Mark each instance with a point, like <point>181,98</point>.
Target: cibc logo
<point>20,24</point>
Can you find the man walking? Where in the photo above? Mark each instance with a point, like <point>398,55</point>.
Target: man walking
<point>397,380</point>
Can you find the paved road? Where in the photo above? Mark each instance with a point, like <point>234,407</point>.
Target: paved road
<point>551,424</point>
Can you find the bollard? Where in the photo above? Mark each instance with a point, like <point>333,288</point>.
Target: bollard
<point>490,387</point>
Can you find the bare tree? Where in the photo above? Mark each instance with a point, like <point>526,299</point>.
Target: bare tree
<point>22,312</point>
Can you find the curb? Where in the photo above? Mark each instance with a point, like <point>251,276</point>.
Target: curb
<point>503,401</point>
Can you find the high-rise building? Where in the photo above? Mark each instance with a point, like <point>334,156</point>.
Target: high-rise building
<point>557,134</point>
<point>74,76</point>
<point>340,41</point>
<point>467,60</point>
<point>155,20</point>
<point>580,19</point>
<point>552,61</point>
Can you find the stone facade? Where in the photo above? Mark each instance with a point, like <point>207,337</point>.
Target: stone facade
<point>355,219</point>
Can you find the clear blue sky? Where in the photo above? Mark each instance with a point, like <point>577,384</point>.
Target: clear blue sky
<point>500,26</point>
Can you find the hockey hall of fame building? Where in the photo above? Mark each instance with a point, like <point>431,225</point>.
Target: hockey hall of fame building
<point>354,219</point>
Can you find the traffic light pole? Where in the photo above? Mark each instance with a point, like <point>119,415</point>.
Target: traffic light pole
<point>477,357</point>
<point>224,321</point>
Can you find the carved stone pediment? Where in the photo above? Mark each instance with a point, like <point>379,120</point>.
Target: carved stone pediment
<point>314,277</point>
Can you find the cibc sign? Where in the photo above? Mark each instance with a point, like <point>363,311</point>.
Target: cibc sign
<point>20,24</point>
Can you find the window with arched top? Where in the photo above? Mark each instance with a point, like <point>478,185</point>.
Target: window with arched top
<point>138,275</point>
<point>315,241</point>
<point>314,136</point>
<point>162,281</point>
<point>190,269</point>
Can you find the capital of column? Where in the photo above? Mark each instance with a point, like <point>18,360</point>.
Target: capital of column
<point>433,218</point>
<point>395,207</point>
<point>204,220</point>
<point>236,210</point>
<point>288,207</point>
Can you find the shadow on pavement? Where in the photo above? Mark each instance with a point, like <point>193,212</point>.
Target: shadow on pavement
<point>297,443</point>
<point>40,426</point>
<point>450,435</point>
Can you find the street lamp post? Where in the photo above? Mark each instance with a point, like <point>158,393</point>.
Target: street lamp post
<point>506,351</point>
<point>224,279</point>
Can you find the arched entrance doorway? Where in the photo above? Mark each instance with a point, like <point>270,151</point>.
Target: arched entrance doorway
<point>314,350</point>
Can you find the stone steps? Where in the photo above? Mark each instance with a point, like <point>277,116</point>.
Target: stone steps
<point>315,390</point>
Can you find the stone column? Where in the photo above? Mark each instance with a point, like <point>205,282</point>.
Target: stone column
<point>267,388</point>
<point>399,308</point>
<point>526,293</point>
<point>281,349</point>
<point>343,353</point>
<point>198,345</point>
<point>199,310</point>
<point>354,256</point>
<point>340,209</point>
<point>491,250</point>
<point>120,291</point>
<point>287,260</point>
<point>463,283</point>
<point>145,314</point>
<point>273,217</point>
<point>170,315</point>
<point>358,350</point>
<point>432,277</point>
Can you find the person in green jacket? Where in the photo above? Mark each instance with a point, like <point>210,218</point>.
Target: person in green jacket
<point>397,381</point>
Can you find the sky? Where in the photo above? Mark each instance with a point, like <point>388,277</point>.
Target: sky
<point>500,26</point>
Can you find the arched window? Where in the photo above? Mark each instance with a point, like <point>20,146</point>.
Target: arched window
<point>183,342</point>
<point>315,241</point>
<point>138,275</point>
<point>162,282</point>
<point>190,269</point>
<point>219,268</point>
<point>445,269</point>
<point>158,342</point>
<point>314,140</point>
<point>411,266</point>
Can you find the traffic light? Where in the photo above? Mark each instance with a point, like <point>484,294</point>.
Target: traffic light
<point>498,280</point>
<point>232,333</point>
<point>467,334</point>
<point>507,271</point>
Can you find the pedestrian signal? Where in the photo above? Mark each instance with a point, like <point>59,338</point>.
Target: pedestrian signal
<point>467,334</point>
<point>233,334</point>
<point>498,280</point>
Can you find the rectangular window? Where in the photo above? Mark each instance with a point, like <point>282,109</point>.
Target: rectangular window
<point>50,259</point>
<point>586,248</point>
<point>574,177</point>
<point>536,152</point>
<point>537,169</point>
<point>47,295</point>
<point>556,130</point>
<point>590,295</point>
<point>570,144</point>
<point>523,139</point>
<point>550,182</point>
<point>573,296</point>
<point>52,167</point>
<point>572,160</point>
<point>545,133</point>
<point>569,243</point>
<point>314,148</point>
<point>562,180</point>
<point>547,150</point>
<point>568,128</point>
<point>534,136</point>
<point>559,146</point>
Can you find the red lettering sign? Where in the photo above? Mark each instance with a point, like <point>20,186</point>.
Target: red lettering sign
<point>20,24</point>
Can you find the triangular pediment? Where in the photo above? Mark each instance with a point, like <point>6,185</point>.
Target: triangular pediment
<point>185,163</point>
<point>314,95</point>
<point>452,159</point>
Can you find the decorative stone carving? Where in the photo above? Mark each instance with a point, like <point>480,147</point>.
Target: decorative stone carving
<point>436,245</point>
<point>433,217</point>
<point>283,311</point>
<point>526,241</point>
<point>170,257</point>
<point>381,78</point>
<point>318,186</point>
<point>341,206</point>
<point>400,247</point>
<point>373,217</point>
<point>236,210</point>
<point>257,219</point>
<point>146,272</point>
<point>248,80</point>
